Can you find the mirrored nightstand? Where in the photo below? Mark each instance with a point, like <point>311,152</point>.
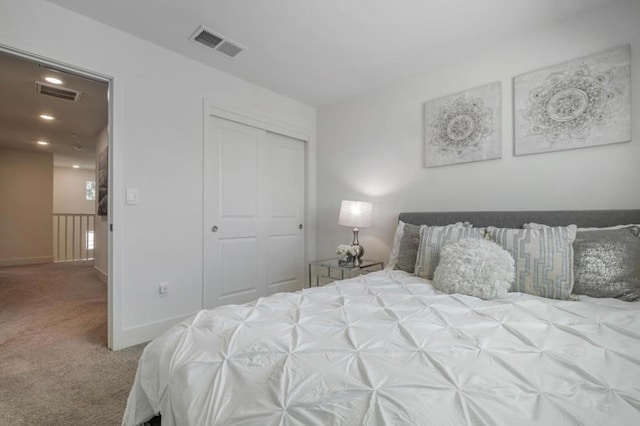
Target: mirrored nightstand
<point>332,269</point>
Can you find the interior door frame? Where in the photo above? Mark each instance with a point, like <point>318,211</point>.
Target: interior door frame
<point>270,124</point>
<point>109,80</point>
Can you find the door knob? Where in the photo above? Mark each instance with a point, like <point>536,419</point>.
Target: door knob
<point>214,229</point>
<point>300,226</point>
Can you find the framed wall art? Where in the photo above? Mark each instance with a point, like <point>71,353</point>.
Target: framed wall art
<point>576,104</point>
<point>463,127</point>
<point>103,182</point>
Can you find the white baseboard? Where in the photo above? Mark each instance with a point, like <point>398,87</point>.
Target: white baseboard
<point>26,261</point>
<point>102,275</point>
<point>144,333</point>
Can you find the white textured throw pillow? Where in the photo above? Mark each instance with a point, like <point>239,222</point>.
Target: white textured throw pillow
<point>475,267</point>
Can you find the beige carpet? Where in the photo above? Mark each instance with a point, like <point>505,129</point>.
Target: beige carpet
<point>55,368</point>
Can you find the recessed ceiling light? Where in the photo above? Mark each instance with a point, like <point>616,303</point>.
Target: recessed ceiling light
<point>43,143</point>
<point>53,80</point>
<point>47,117</point>
<point>75,166</point>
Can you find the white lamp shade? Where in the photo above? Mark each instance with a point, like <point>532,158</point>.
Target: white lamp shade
<point>356,214</point>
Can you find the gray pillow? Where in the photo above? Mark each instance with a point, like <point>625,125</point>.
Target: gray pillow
<point>607,263</point>
<point>408,250</point>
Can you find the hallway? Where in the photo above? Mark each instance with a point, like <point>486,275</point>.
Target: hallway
<point>55,367</point>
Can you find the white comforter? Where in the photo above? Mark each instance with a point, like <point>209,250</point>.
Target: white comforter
<point>386,348</point>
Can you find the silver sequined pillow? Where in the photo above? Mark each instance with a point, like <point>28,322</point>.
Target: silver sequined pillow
<point>607,263</point>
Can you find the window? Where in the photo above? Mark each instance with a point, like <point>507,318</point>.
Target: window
<point>89,240</point>
<point>91,190</point>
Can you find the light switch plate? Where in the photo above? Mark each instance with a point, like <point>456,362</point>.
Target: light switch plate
<point>133,196</point>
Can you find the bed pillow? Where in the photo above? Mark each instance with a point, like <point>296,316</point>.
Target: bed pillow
<point>534,225</point>
<point>401,245</point>
<point>543,259</point>
<point>433,238</point>
<point>395,247</point>
<point>475,267</point>
<point>408,248</point>
<point>606,261</point>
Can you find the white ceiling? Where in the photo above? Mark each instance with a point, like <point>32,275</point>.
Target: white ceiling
<point>320,51</point>
<point>72,134</point>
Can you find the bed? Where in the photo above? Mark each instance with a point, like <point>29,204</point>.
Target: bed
<point>388,348</point>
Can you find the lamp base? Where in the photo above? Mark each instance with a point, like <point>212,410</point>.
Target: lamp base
<point>359,253</point>
<point>358,248</point>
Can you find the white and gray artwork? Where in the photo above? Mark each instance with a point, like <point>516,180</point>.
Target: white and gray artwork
<point>463,127</point>
<point>576,104</point>
<point>103,182</point>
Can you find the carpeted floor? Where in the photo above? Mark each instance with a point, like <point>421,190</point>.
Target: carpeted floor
<point>55,368</point>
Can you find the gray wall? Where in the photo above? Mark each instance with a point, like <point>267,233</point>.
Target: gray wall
<point>370,147</point>
<point>69,190</point>
<point>26,205</point>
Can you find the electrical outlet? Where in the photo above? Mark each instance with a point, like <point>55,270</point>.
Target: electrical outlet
<point>163,289</point>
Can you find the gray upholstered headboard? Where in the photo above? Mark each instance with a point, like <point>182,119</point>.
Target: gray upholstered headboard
<point>515,219</point>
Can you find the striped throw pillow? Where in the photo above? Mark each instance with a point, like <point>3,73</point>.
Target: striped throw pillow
<point>544,259</point>
<point>433,238</point>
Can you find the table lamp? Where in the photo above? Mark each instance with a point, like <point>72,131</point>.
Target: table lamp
<point>356,214</point>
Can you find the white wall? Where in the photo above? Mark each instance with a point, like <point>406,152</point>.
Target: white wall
<point>69,190</point>
<point>101,251</point>
<point>157,148</point>
<point>370,147</point>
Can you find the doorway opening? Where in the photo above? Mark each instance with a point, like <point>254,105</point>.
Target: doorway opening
<point>54,159</point>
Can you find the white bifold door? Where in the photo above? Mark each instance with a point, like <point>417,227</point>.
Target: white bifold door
<point>253,213</point>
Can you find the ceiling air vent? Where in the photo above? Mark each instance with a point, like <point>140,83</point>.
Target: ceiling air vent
<point>219,43</point>
<point>58,92</point>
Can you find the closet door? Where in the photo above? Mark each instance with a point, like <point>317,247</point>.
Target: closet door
<point>253,207</point>
<point>285,214</point>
